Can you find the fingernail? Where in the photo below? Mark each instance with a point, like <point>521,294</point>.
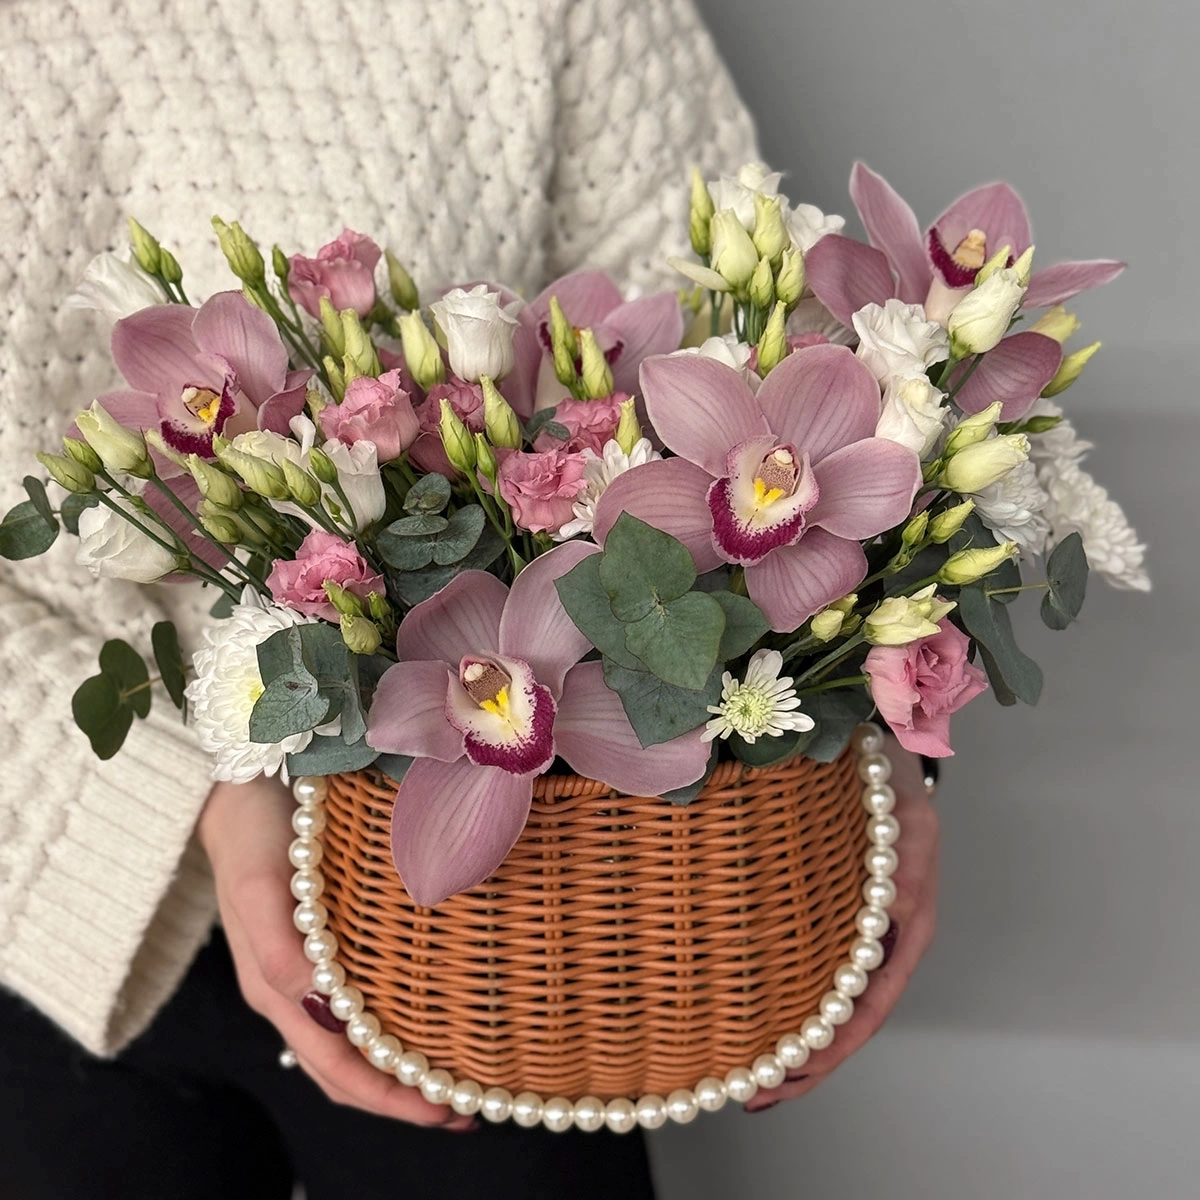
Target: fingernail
<point>796,1076</point>
<point>888,942</point>
<point>317,1007</point>
<point>761,1108</point>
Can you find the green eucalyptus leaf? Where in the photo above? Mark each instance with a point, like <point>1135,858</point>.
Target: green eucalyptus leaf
<point>587,604</point>
<point>659,711</point>
<point>290,704</point>
<point>683,796</point>
<point>1000,689</point>
<point>414,586</point>
<point>222,607</point>
<point>405,553</point>
<point>1066,579</point>
<point>71,508</point>
<point>678,639</point>
<point>25,533</point>
<point>430,494</point>
<point>422,525</point>
<point>539,419</point>
<point>988,623</point>
<point>459,537</point>
<point>764,751</point>
<point>98,711</point>
<point>126,668</point>
<point>168,657</point>
<point>642,566</point>
<point>744,624</point>
<point>35,489</point>
<point>331,755</point>
<point>559,432</point>
<point>394,766</point>
<point>280,654</point>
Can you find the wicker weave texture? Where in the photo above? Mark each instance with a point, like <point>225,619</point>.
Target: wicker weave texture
<point>625,946</point>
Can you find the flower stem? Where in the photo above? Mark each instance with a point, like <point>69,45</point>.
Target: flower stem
<point>823,665</point>
<point>1008,591</point>
<point>966,375</point>
<point>844,682</point>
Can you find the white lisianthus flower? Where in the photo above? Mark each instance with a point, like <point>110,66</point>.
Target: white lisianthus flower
<point>598,473</point>
<point>227,686</point>
<point>737,191</point>
<point>762,705</point>
<point>478,331</point>
<point>1014,508</point>
<point>912,415</point>
<point>899,620</point>
<point>895,341</point>
<point>729,350</point>
<point>111,548</point>
<point>808,225</point>
<point>979,321</point>
<point>115,287</point>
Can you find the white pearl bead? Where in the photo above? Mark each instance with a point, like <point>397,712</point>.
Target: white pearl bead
<point>558,1114</point>
<point>411,1068</point>
<point>836,1008</point>
<point>310,915</point>
<point>867,953</point>
<point>872,922</point>
<point>867,738</point>
<point>879,799</point>
<point>682,1106</point>
<point>651,1111</point>
<point>620,1115</point>
<point>327,977</point>
<point>288,1058</point>
<point>307,884</point>
<point>850,979</point>
<point>527,1109</point>
<point>817,1032</point>
<point>346,1002</point>
<point>437,1086</point>
<point>768,1071</point>
<point>711,1093</point>
<point>874,768</point>
<point>881,892</point>
<point>362,1028</point>
<point>304,852</point>
<point>792,1050</point>
<point>881,860</point>
<point>308,822</point>
<point>466,1098</point>
<point>383,1052</point>
<point>310,789</point>
<point>740,1085</point>
<point>497,1105</point>
<point>320,944</point>
<point>589,1114</point>
<point>883,831</point>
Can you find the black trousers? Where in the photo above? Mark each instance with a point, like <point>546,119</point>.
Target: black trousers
<point>199,1109</point>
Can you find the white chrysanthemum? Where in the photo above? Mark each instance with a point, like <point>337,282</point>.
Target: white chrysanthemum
<point>762,705</point>
<point>227,686</point>
<point>1014,508</point>
<point>599,471</point>
<point>1076,503</point>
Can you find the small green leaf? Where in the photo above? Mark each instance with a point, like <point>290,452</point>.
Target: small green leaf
<point>25,533</point>
<point>394,766</point>
<point>405,553</point>
<point>422,525</point>
<point>460,536</point>
<point>744,624</point>
<point>587,604</point>
<point>642,566</point>
<point>125,667</point>
<point>414,586</point>
<point>280,654</point>
<point>539,419</point>
<point>430,494</point>
<point>98,711</point>
<point>659,711</point>
<point>71,508</point>
<point>35,489</point>
<point>1000,689</point>
<point>683,796</point>
<point>989,624</point>
<point>222,607</point>
<point>560,433</point>
<point>836,713</point>
<point>678,640</point>
<point>331,755</point>
<point>168,657</point>
<point>289,705</point>
<point>1066,579</point>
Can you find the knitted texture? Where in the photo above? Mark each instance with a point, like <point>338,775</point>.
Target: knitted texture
<point>503,139</point>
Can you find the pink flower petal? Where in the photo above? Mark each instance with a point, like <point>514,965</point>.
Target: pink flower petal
<point>1014,373</point>
<point>865,488</point>
<point>892,227</point>
<point>672,496</point>
<point>820,399</point>
<point>1058,283</point>
<point>155,350</point>
<point>276,414</point>
<point>463,618</point>
<point>134,410</point>
<point>845,275</point>
<point>995,209</point>
<point>792,583</point>
<point>408,713</point>
<point>453,824</point>
<point>230,326</point>
<point>700,407</point>
<point>535,626</point>
<point>595,737</point>
<point>651,325</point>
<point>587,297</point>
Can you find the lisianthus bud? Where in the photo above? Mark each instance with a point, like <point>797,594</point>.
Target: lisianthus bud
<point>914,532</point>
<point>361,635</point>
<point>564,344</point>
<point>770,237</point>
<point>261,476</point>
<point>359,350</point>
<point>1024,267</point>
<point>485,459</point>
<point>305,490</point>
<point>946,524</point>
<point>168,266</point>
<point>772,346</point>
<point>214,484</point>
<point>700,213</point>
<point>322,466</point>
<point>997,262</point>
<point>331,323</point>
<point>68,473</point>
<point>903,619</point>
<point>280,265</point>
<point>974,428</point>
<point>734,257</point>
<point>337,381</point>
<point>967,566</point>
<point>147,252</point>
<point>1069,370</point>
<point>789,284</point>
<point>243,256</point>
<point>597,376</point>
<point>503,428</point>
<point>456,439</point>
<point>82,453</point>
<point>762,286</point>
<point>827,624</point>
<point>1041,424</point>
<point>422,355</point>
<point>629,428</point>
<point>981,318</point>
<point>120,449</point>
<point>378,607</point>
<point>1056,323</point>
<point>404,291</point>
<point>222,528</point>
<point>980,465</point>
<point>346,602</point>
<point>157,443</point>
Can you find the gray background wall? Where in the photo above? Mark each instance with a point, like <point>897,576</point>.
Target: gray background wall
<point>1049,1048</point>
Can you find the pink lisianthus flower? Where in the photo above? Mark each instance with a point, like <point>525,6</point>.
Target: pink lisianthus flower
<point>322,558</point>
<point>488,690</point>
<point>590,423</point>
<point>466,399</point>
<point>786,482</point>
<point>541,487</point>
<point>343,272</point>
<point>918,686</point>
<point>377,411</point>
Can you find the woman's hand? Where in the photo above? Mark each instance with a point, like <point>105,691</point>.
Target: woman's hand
<point>913,917</point>
<point>246,830</point>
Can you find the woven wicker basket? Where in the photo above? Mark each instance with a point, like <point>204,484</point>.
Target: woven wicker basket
<point>626,946</point>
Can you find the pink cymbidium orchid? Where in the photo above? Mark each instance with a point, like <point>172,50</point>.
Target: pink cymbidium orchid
<point>489,690</point>
<point>786,482</point>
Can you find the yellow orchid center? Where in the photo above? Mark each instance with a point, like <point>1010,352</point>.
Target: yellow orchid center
<point>488,686</point>
<point>971,252</point>
<point>776,477</point>
<point>203,403</point>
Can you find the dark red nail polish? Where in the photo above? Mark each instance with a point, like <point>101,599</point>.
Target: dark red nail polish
<point>888,942</point>
<point>317,1007</point>
<point>762,1107</point>
<point>796,1076</point>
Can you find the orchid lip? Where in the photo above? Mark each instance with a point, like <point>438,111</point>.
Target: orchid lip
<point>959,267</point>
<point>201,415</point>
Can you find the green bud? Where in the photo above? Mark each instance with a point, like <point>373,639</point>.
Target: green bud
<point>337,380</point>
<point>120,449</point>
<point>564,344</point>
<point>168,266</point>
<point>700,214</point>
<point>997,262</point>
<point>827,624</point>
<point>82,453</point>
<point>1069,370</point>
<point>973,429</point>
<point>734,257</point>
<point>221,528</point>
<point>305,490</point>
<point>772,346</point>
<point>360,635</point>
<point>629,428</point>
<point>378,607</point>
<point>771,237</point>
<point>762,286</point>
<point>503,428</point>
<point>404,291</point>
<point>331,325</point>
<point>968,566</point>
<point>914,531</point>
<point>243,256</point>
<point>596,374</point>
<point>984,463</point>
<point>255,297</point>
<point>315,403</point>
<point>214,484</point>
<point>456,439</point>
<point>280,265</point>
<point>359,349</point>
<point>258,474</point>
<point>485,459</point>
<point>322,466</point>
<point>146,250</point>
<point>68,473</point>
<point>1041,424</point>
<point>346,603</point>
<point>946,524</point>
<point>422,354</point>
<point>789,284</point>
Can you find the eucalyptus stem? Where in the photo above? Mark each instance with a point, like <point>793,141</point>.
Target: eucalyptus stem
<point>844,682</point>
<point>823,665</point>
<point>1009,591</point>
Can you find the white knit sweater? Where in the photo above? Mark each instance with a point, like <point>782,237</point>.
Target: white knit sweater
<point>503,139</point>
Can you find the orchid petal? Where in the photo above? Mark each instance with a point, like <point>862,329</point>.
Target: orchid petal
<point>453,824</point>
<point>155,350</point>
<point>230,326</point>
<point>670,494</point>
<point>594,735</point>
<point>700,407</point>
<point>408,713</point>
<point>865,488</point>
<point>1053,285</point>
<point>1015,373</point>
<point>792,583</point>
<point>651,325</point>
<point>134,410</point>
<point>463,618</point>
<point>535,626</point>
<point>276,414</point>
<point>820,399</point>
<point>586,297</point>
<point>995,209</point>
<point>892,227</point>
<point>519,386</point>
<point>845,275</point>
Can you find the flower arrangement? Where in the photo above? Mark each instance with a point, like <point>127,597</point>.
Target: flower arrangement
<point>464,542</point>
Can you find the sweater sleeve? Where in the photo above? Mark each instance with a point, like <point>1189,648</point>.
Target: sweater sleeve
<point>643,96</point>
